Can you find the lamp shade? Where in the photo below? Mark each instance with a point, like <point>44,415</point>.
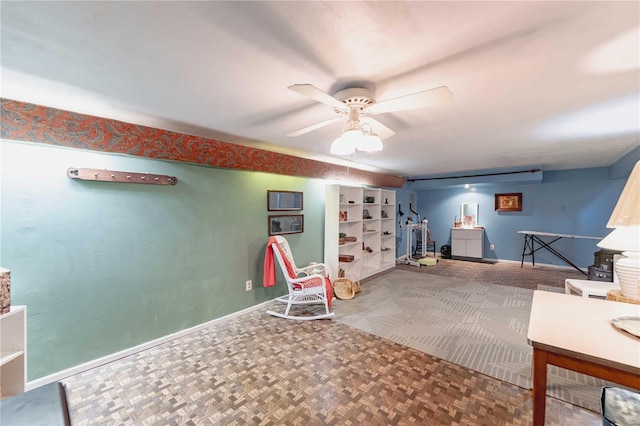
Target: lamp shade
<point>354,138</point>
<point>625,220</point>
<point>623,238</point>
<point>346,144</point>
<point>342,147</point>
<point>627,210</point>
<point>369,143</point>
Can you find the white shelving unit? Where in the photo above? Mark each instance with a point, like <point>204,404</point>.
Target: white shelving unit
<point>368,214</point>
<point>13,351</point>
<point>388,227</point>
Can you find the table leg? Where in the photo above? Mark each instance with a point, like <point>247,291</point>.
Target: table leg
<point>533,252</point>
<point>555,252</point>
<point>524,250</point>
<point>539,379</point>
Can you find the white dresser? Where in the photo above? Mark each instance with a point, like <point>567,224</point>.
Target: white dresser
<point>467,243</point>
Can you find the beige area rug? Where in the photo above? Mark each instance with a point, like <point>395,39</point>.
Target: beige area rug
<point>480,326</point>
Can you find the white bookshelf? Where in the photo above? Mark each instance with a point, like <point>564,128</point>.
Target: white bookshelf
<point>13,351</point>
<point>370,218</point>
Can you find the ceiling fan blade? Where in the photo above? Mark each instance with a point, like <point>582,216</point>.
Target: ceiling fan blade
<point>316,94</point>
<point>427,98</point>
<point>380,129</point>
<point>314,127</point>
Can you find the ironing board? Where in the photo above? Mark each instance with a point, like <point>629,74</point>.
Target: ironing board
<point>531,237</point>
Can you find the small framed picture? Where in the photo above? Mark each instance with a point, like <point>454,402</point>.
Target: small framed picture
<point>511,202</point>
<point>286,224</point>
<point>284,200</point>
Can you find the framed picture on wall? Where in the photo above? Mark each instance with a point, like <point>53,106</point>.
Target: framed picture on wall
<point>284,200</point>
<point>286,224</point>
<point>511,202</point>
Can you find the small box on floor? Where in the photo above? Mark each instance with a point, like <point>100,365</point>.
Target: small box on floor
<point>5,291</point>
<point>599,274</point>
<point>445,252</point>
<point>604,259</point>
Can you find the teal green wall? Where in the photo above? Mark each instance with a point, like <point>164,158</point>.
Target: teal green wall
<point>105,266</point>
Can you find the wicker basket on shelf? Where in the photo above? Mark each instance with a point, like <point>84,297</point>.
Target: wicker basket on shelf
<point>616,295</point>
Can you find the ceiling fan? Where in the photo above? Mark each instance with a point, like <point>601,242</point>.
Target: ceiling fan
<point>356,101</point>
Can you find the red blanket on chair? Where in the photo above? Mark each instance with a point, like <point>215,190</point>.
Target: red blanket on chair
<point>269,279</point>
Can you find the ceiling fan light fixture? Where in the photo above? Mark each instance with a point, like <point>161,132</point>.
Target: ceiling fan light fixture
<point>355,101</point>
<point>369,141</point>
<point>352,136</point>
<point>348,141</point>
<point>343,146</point>
<point>356,137</point>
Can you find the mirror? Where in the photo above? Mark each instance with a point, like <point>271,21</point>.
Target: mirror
<point>284,200</point>
<point>469,214</point>
<point>286,224</point>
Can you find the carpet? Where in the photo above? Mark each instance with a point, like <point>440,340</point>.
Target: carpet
<point>481,326</point>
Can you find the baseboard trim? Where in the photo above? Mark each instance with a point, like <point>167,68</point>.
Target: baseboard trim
<point>133,350</point>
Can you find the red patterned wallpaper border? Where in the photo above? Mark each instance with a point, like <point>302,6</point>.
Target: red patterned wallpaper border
<point>34,123</point>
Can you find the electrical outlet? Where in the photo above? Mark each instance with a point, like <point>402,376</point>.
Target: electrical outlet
<point>249,285</point>
<point>492,247</point>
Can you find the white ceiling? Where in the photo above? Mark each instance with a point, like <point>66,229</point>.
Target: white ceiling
<point>548,84</point>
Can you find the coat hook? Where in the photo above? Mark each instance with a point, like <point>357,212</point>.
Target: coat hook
<point>117,176</point>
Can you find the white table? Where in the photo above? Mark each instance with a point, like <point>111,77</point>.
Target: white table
<point>588,288</point>
<point>576,333</point>
<point>532,237</point>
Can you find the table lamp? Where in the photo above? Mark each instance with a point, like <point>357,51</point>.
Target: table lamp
<point>625,237</point>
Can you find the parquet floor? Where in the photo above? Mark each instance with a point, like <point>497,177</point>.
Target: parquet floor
<point>262,370</point>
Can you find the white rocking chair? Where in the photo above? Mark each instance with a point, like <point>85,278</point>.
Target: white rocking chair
<point>306,285</point>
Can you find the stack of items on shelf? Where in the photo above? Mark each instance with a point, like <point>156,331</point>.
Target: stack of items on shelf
<point>343,238</point>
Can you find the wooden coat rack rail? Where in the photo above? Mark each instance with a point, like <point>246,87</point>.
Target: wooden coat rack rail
<point>122,177</point>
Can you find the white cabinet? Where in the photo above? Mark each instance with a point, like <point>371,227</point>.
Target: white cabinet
<point>365,218</point>
<point>13,351</point>
<point>467,244</point>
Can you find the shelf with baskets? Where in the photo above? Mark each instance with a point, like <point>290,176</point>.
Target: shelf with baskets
<point>365,214</point>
